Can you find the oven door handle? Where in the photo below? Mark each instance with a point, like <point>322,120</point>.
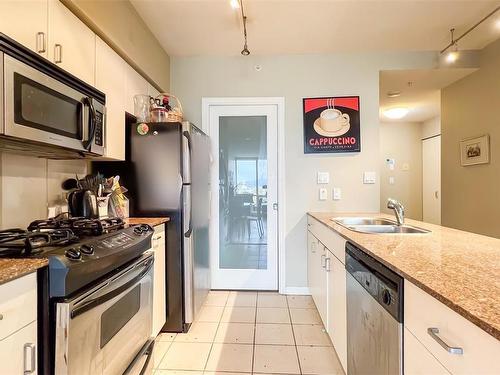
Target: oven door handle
<point>90,304</point>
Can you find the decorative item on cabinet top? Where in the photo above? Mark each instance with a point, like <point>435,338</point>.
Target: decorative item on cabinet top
<point>157,109</point>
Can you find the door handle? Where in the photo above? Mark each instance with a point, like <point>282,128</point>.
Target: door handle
<point>275,206</point>
<point>40,42</point>
<point>57,53</point>
<point>436,194</point>
<point>29,350</point>
<point>434,333</point>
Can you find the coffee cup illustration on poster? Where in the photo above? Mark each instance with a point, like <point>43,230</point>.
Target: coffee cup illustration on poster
<point>331,125</point>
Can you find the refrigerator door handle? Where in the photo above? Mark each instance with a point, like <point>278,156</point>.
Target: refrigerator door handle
<point>187,157</point>
<point>188,210</point>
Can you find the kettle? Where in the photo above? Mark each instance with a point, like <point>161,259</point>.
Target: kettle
<point>83,203</point>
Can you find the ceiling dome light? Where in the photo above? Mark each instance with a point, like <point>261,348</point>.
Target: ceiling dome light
<point>235,4</point>
<point>396,113</point>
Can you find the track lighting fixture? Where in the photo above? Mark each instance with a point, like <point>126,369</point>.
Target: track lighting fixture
<point>452,48</point>
<point>235,4</point>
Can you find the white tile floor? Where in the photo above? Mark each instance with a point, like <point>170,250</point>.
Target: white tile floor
<point>250,333</point>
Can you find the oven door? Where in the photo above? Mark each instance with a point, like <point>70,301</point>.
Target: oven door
<point>40,108</point>
<point>103,330</point>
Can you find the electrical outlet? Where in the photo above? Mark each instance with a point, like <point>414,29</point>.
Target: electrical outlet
<point>405,167</point>
<point>337,194</point>
<point>323,178</point>
<point>369,177</point>
<point>323,194</point>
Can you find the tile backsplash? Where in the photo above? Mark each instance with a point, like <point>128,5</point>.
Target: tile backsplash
<point>29,185</point>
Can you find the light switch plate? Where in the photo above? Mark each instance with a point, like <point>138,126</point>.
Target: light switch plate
<point>323,177</point>
<point>337,194</point>
<point>391,180</point>
<point>323,194</point>
<point>369,177</point>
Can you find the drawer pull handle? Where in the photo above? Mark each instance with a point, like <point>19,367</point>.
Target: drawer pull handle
<point>29,358</point>
<point>327,264</point>
<point>434,333</point>
<point>1,317</point>
<point>323,260</point>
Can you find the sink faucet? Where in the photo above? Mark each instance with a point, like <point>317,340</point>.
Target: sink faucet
<point>399,210</point>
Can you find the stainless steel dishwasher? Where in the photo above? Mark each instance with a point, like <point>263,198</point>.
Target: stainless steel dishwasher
<point>374,316</point>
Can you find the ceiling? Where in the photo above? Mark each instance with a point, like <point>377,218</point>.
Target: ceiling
<point>212,27</point>
<point>420,91</point>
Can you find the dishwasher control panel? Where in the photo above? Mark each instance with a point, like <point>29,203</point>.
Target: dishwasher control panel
<point>383,284</point>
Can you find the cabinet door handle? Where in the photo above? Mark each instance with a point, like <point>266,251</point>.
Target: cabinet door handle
<point>323,260</point>
<point>29,350</point>
<point>40,42</point>
<point>327,264</point>
<point>434,333</point>
<point>58,53</point>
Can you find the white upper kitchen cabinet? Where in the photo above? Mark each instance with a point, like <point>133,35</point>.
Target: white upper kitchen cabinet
<point>136,85</point>
<point>111,78</point>
<point>25,22</point>
<point>71,43</point>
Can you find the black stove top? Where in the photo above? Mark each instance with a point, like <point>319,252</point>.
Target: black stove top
<point>80,250</point>
<point>44,236</point>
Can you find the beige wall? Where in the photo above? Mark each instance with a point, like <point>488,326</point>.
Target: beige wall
<point>118,23</point>
<point>402,142</point>
<point>29,185</point>
<point>431,127</point>
<point>471,107</point>
<point>295,77</point>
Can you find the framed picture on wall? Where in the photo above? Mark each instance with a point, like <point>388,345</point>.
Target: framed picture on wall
<point>475,150</point>
<point>331,125</point>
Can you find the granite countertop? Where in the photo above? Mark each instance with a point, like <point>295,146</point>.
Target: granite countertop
<point>153,221</point>
<point>11,269</point>
<point>460,269</point>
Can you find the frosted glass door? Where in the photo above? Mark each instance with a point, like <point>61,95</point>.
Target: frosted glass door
<point>244,252</point>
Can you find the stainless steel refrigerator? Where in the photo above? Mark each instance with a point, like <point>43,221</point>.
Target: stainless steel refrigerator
<point>167,174</point>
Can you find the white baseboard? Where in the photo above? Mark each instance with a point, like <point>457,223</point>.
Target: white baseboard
<point>297,290</point>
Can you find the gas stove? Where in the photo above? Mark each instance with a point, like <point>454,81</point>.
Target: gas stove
<point>79,250</point>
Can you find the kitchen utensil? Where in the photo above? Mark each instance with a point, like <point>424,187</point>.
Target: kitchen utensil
<point>83,203</point>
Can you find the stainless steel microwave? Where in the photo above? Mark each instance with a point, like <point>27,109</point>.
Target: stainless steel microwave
<point>44,105</point>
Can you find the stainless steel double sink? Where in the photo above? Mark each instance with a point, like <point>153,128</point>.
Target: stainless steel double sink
<point>377,225</point>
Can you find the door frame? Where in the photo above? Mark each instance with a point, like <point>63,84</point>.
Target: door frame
<point>279,102</point>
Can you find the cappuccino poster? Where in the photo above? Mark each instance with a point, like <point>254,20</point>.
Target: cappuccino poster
<point>331,125</point>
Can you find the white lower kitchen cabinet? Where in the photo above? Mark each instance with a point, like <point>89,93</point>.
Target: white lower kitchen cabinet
<point>418,360</point>
<point>111,78</point>
<point>444,333</point>
<point>32,30</point>
<point>18,351</point>
<point>327,285</point>
<point>159,283</point>
<point>71,43</point>
<point>337,307</point>
<point>18,326</point>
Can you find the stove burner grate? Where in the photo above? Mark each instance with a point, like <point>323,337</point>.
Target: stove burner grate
<point>79,225</point>
<point>18,242</point>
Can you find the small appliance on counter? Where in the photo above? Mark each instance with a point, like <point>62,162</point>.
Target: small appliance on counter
<point>98,271</point>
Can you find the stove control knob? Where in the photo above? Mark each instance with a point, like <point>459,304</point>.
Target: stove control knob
<point>386,297</point>
<point>87,249</point>
<point>138,230</point>
<point>73,254</point>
